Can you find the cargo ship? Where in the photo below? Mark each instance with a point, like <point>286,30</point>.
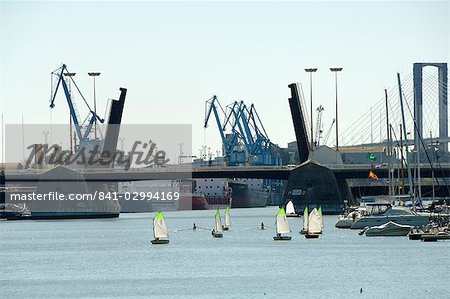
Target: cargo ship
<point>237,193</point>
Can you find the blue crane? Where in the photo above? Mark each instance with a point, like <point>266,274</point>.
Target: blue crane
<point>230,142</point>
<point>83,137</point>
<point>247,141</point>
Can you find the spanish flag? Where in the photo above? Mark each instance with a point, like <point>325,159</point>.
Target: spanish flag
<point>373,176</point>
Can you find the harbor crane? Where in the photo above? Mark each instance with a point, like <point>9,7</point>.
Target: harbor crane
<point>247,141</point>
<point>82,132</point>
<point>231,143</point>
<point>319,130</point>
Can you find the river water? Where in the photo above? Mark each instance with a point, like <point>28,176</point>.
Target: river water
<point>107,258</point>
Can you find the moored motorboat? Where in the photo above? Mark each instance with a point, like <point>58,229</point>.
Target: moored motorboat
<point>388,229</point>
<point>381,213</point>
<point>346,220</point>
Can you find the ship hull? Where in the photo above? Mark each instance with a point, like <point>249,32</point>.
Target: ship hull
<point>244,197</point>
<point>72,215</point>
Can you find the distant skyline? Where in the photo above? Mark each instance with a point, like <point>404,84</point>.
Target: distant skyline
<point>173,56</point>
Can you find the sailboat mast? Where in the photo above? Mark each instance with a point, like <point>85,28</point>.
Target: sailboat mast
<point>432,170</point>
<point>388,147</point>
<point>154,226</point>
<point>408,166</point>
<point>402,184</point>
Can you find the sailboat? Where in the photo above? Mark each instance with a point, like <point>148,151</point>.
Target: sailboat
<point>290,210</point>
<point>282,226</point>
<point>314,225</point>
<point>305,221</point>
<point>217,232</point>
<point>160,230</point>
<point>227,219</point>
<point>320,217</point>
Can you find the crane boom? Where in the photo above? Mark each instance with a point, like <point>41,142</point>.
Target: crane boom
<point>318,125</point>
<point>82,136</point>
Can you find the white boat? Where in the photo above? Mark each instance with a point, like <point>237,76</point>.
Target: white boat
<point>388,229</point>
<point>282,226</point>
<point>160,233</point>
<point>346,220</point>
<point>305,221</point>
<point>381,213</point>
<point>227,219</point>
<point>314,225</point>
<point>290,210</point>
<point>218,229</point>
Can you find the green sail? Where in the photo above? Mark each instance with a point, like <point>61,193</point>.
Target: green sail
<point>159,216</point>
<point>217,213</point>
<point>281,212</point>
<point>320,210</point>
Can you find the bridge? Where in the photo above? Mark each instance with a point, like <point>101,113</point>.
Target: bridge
<point>344,171</point>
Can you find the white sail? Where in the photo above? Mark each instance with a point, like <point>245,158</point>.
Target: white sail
<point>290,208</point>
<point>320,217</point>
<point>314,224</point>
<point>218,227</point>
<point>305,219</point>
<point>282,222</point>
<point>227,217</point>
<point>159,226</point>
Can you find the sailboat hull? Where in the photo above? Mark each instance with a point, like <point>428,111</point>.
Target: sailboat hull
<point>282,238</point>
<point>217,235</point>
<point>311,236</point>
<point>226,228</point>
<point>159,241</point>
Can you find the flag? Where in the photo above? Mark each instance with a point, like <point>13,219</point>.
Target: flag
<point>371,157</point>
<point>373,176</point>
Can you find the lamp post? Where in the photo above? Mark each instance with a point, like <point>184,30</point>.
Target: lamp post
<point>93,74</point>
<point>70,75</point>
<point>311,71</point>
<point>335,70</point>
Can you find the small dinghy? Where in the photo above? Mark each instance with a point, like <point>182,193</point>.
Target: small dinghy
<point>389,229</point>
<point>282,226</point>
<point>314,227</point>
<point>290,210</point>
<point>227,219</point>
<point>305,221</point>
<point>217,232</point>
<point>160,230</point>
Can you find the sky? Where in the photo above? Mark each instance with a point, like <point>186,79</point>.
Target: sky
<point>173,56</point>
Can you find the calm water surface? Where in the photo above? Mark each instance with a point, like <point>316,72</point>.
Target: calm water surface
<point>109,258</point>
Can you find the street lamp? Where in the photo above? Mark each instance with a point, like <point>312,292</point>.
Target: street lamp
<point>70,75</point>
<point>335,70</point>
<point>92,74</point>
<point>311,71</point>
